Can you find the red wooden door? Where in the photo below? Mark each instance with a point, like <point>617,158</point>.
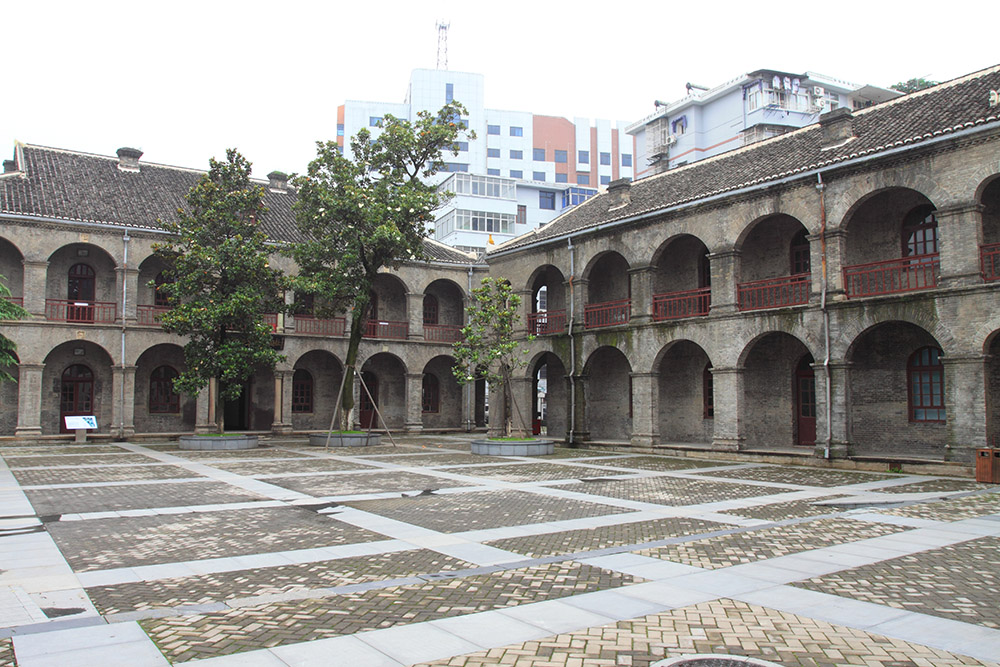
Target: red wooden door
<point>366,408</point>
<point>76,394</point>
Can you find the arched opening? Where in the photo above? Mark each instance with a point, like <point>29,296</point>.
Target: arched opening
<point>992,371</point>
<point>771,392</point>
<point>81,285</point>
<point>550,412</point>
<point>12,270</point>
<point>386,379</point>
<point>891,244</point>
<point>91,390</point>
<point>441,395</point>
<point>387,315</point>
<point>547,309</point>
<point>896,389</point>
<point>159,408</point>
<point>609,292</point>
<point>774,264</point>
<point>316,384</point>
<point>685,394</point>
<point>682,279</point>
<point>9,397</point>
<point>609,395</point>
<point>302,392</point>
<point>238,410</point>
<point>443,311</point>
<point>152,300</point>
<point>990,251</point>
<point>76,393</point>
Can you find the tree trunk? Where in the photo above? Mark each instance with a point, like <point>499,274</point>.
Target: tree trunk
<point>347,400</point>
<point>220,407</point>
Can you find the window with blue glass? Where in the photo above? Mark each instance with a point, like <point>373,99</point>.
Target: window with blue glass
<point>373,120</point>
<point>547,200</point>
<point>340,129</point>
<point>583,178</point>
<point>462,145</point>
<point>583,157</point>
<point>516,155</point>
<point>449,93</point>
<point>562,178</point>
<point>560,156</point>
<point>492,172</point>
<point>538,175</point>
<point>574,196</point>
<point>626,159</point>
<point>456,166</point>
<point>605,180</point>
<point>516,173</point>
<point>516,131</point>
<point>492,129</point>
<point>605,158</point>
<point>492,152</point>
<point>538,154</point>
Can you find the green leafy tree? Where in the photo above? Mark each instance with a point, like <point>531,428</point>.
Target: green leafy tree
<point>361,215</point>
<point>913,85</point>
<point>488,349</point>
<point>220,284</point>
<point>8,311</point>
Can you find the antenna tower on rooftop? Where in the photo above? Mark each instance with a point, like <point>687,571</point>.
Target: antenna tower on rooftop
<point>442,28</point>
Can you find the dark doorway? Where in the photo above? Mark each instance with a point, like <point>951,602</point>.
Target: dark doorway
<point>237,411</point>
<point>76,394</point>
<point>366,409</point>
<point>805,402</point>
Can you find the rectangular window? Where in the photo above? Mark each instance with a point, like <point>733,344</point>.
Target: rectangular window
<point>462,145</point>
<point>374,120</point>
<point>516,131</point>
<point>492,172</point>
<point>449,93</point>
<point>583,157</point>
<point>538,175</point>
<point>516,173</point>
<point>484,221</point>
<point>574,196</point>
<point>480,186</point>
<point>492,152</point>
<point>582,178</point>
<point>516,155</point>
<point>605,158</point>
<point>455,166</point>
<point>538,154</point>
<point>605,180</point>
<point>560,156</point>
<point>522,214</point>
<point>626,159</point>
<point>562,178</point>
<point>547,200</point>
<point>340,129</point>
<point>492,129</point>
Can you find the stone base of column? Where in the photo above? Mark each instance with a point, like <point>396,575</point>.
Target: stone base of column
<point>281,428</point>
<point>27,432</point>
<point>839,449</point>
<point>204,428</point>
<point>644,440</point>
<point>124,433</point>
<point>727,444</point>
<point>413,427</point>
<point>580,436</point>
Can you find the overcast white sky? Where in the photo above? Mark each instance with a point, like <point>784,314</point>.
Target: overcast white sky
<point>185,79</point>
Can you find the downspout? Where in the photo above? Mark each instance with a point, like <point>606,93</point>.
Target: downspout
<point>826,316</point>
<point>121,411</point>
<point>572,346</point>
<point>470,395</point>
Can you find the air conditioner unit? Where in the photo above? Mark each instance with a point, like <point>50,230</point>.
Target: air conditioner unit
<point>671,139</point>
<point>818,91</point>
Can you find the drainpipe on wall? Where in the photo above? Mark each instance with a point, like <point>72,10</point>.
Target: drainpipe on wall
<point>470,393</point>
<point>121,411</point>
<point>572,346</point>
<point>826,315</point>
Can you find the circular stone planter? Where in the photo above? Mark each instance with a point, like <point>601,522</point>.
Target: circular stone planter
<point>218,442</point>
<point>531,447</point>
<point>346,439</point>
<point>714,660</point>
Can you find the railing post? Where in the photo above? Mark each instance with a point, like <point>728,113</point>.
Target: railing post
<point>960,233</point>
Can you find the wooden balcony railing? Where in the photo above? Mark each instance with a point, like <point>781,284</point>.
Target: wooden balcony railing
<point>16,300</point>
<point>442,333</point>
<point>149,316</point>
<point>307,324</point>
<point>675,305</point>
<point>547,322</point>
<point>906,274</point>
<point>386,329</point>
<point>989,257</point>
<point>88,312</point>
<point>607,314</point>
<point>774,292</point>
<point>271,320</point>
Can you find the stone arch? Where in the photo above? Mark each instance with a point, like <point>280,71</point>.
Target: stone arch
<point>680,264</point>
<point>608,395</point>
<point>854,327</point>
<point>988,196</point>
<point>446,411</point>
<point>9,397</point>
<point>550,392</point>
<point>58,360</point>
<point>101,287</point>
<point>150,270</point>
<point>449,301</point>
<point>389,372</point>
<point>685,412</point>
<point>325,375</point>
<point>12,267</point>
<point>769,363</point>
<point>765,247</point>
<point>147,419</point>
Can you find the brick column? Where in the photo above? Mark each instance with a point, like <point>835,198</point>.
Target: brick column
<point>130,277</point>
<point>725,274</point>
<point>727,396</point>
<point>122,410</point>
<point>204,421</point>
<point>414,402</point>
<point>415,315</point>
<point>35,277</point>
<point>965,402</point>
<point>840,388</point>
<point>29,400</point>
<point>580,289</point>
<point>960,233</point>
<point>641,282</point>
<point>282,422</point>
<point>524,403</point>
<point>644,409</point>
<point>581,430</point>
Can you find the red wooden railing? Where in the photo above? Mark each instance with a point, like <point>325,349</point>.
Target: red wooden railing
<point>16,300</point>
<point>271,320</point>
<point>149,316</point>
<point>989,257</point>
<point>674,305</point>
<point>905,274</point>
<point>384,329</point>
<point>307,324</point>
<point>442,333</point>
<point>608,314</point>
<point>61,310</point>
<point>774,292</point>
<point>547,322</point>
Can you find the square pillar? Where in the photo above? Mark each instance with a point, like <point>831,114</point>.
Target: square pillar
<point>130,279</point>
<point>965,402</point>
<point>645,410</point>
<point>727,399</point>
<point>205,409</point>
<point>35,277</point>
<point>580,428</point>
<point>123,402</point>
<point>960,233</point>
<point>836,242</point>
<point>725,274</point>
<point>282,422</point>
<point>29,400</point>
<point>840,388</point>
<point>641,291</point>
<point>415,315</point>
<point>414,403</point>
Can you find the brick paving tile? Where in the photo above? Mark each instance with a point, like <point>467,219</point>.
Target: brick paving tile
<point>375,482</point>
<point>459,512</point>
<point>53,450</point>
<point>575,541</point>
<point>269,581</point>
<point>934,485</point>
<point>951,509</point>
<point>7,653</point>
<point>794,509</point>
<point>670,490</point>
<point>203,456</point>
<point>437,460</point>
<point>802,476</point>
<point>960,581</point>
<point>376,450</point>
<point>43,477</point>
<point>288,466</point>
<point>575,453</point>
<point>206,635</point>
<point>532,472</point>
<point>123,542</point>
<point>135,496</point>
<point>747,547</point>
<point>40,461</point>
<point>722,627</point>
<point>658,463</point>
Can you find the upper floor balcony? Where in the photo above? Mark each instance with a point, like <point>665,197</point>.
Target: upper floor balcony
<point>687,303</point>
<point>607,314</point>
<point>906,274</point>
<point>774,292</point>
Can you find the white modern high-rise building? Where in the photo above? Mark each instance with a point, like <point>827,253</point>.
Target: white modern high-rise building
<point>522,169</point>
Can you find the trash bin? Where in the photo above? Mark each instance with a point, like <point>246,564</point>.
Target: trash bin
<point>988,466</point>
<point>536,426</point>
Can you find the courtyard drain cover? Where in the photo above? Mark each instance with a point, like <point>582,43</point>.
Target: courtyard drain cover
<point>714,660</point>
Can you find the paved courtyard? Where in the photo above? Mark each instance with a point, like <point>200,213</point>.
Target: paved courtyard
<point>126,554</point>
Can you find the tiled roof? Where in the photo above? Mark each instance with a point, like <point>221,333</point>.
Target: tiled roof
<point>907,120</point>
<point>66,185</point>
